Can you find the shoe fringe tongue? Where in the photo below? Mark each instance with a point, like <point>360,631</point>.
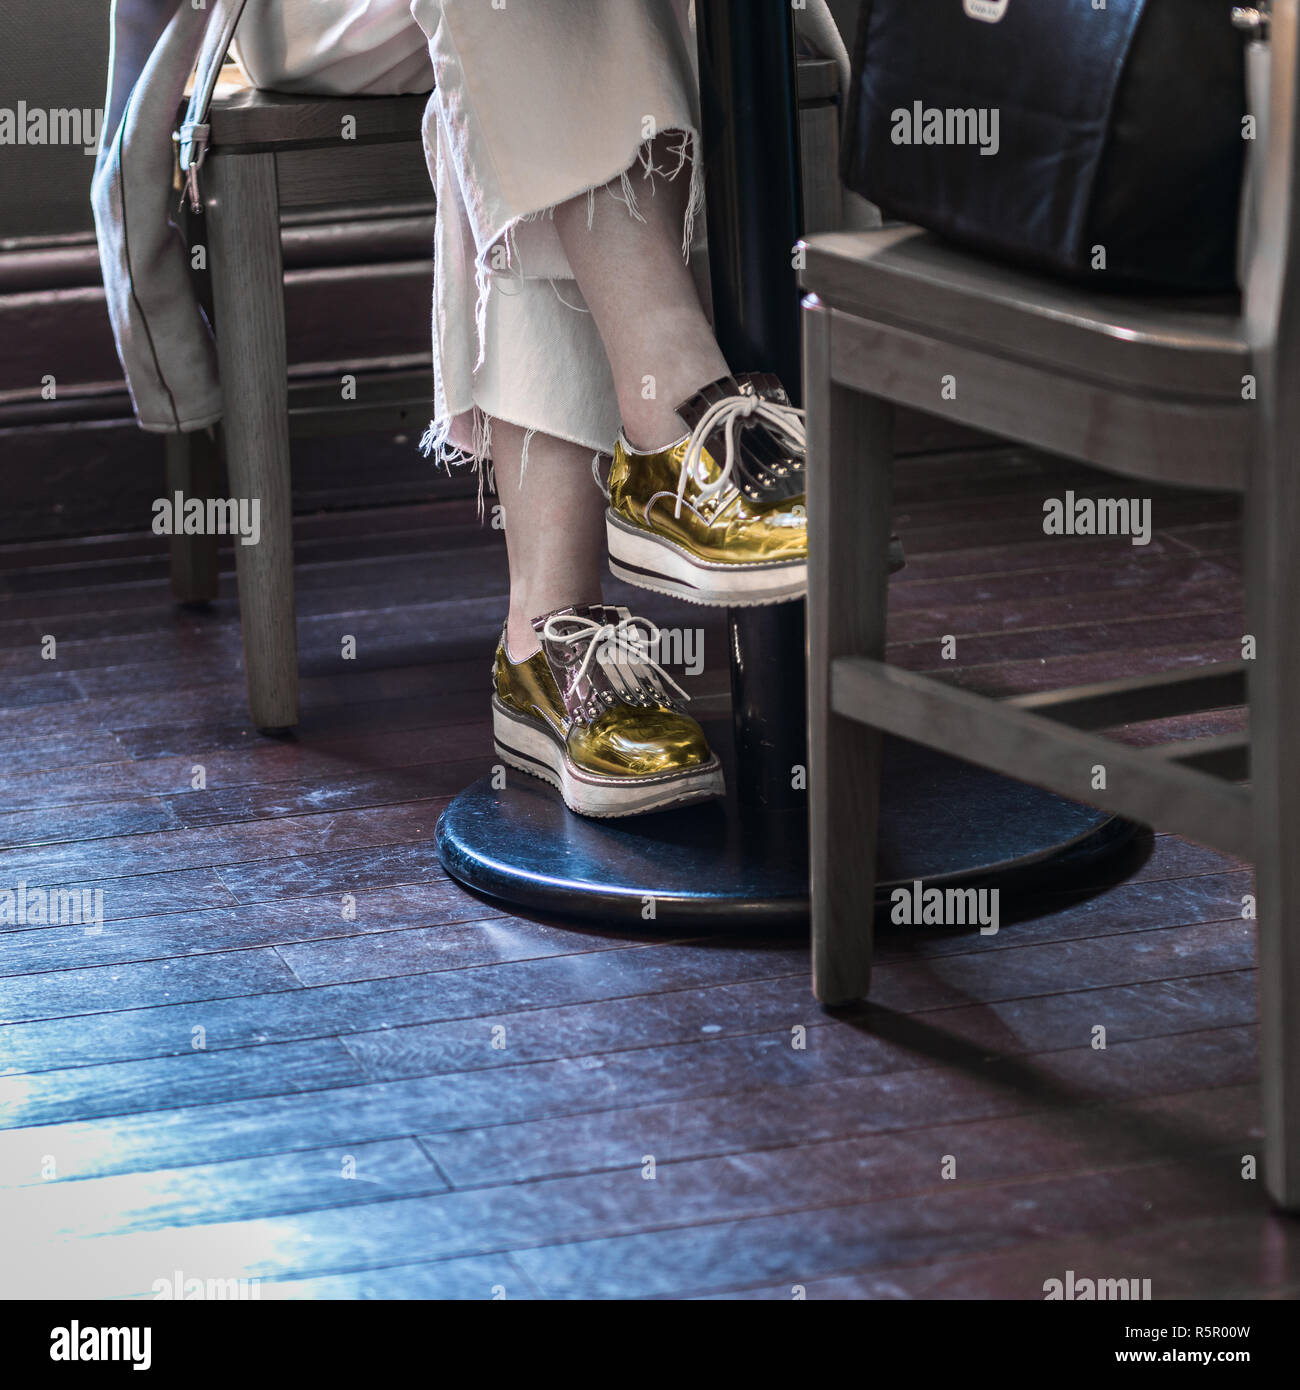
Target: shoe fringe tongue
<point>621,670</point>
<point>764,465</point>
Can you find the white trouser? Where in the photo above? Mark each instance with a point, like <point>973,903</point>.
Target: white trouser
<point>533,102</point>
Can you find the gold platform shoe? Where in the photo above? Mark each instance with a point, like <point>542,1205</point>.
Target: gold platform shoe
<point>718,517</point>
<point>595,715</point>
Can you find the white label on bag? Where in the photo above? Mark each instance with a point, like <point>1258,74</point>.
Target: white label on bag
<point>988,10</point>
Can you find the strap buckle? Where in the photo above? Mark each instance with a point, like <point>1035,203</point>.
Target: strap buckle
<point>192,139</point>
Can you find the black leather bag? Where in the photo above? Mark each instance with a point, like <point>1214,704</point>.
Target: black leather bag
<point>1115,135</point>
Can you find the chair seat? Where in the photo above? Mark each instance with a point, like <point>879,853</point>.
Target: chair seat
<point>1146,345</point>
<point>328,151</point>
<point>243,118</point>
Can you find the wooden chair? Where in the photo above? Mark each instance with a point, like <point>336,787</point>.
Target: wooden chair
<point>1143,389</point>
<point>269,152</point>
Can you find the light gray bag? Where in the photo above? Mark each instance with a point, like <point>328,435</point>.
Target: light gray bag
<point>164,341</point>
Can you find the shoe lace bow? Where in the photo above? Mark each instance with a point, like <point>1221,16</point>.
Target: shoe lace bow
<point>621,653</point>
<point>729,415</point>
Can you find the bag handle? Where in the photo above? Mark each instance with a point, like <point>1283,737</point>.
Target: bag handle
<point>192,137</point>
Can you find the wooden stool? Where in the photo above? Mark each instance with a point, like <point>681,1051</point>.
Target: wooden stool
<point>1151,390</point>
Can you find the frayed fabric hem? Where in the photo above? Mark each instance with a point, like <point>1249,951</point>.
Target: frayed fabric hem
<point>490,264</point>
<point>436,444</point>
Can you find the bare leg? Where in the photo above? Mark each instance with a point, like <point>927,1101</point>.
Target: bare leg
<point>643,298</point>
<point>555,528</point>
<point>661,349</point>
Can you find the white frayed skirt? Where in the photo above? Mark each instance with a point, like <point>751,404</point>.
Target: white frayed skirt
<point>533,102</point>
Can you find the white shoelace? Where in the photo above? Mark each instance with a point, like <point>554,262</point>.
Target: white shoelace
<point>621,650</point>
<point>729,414</point>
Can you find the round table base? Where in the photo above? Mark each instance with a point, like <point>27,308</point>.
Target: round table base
<point>943,821</point>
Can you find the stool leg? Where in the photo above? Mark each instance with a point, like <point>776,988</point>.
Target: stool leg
<point>194,470</point>
<point>248,296</point>
<point>1273,616</point>
<point>850,494</point>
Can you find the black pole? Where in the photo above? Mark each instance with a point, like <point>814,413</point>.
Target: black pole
<point>750,135</point>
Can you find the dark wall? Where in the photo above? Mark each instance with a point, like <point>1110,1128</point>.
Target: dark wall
<point>54,55</point>
<point>77,464</point>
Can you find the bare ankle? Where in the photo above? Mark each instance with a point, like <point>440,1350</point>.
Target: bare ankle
<point>650,425</point>
<point>649,433</point>
<point>522,640</point>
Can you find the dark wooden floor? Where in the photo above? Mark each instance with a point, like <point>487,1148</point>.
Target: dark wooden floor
<point>241,1077</point>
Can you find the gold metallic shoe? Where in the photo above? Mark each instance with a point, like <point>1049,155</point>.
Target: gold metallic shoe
<point>734,532</point>
<point>594,714</point>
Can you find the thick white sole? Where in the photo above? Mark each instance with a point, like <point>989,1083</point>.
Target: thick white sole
<point>530,748</point>
<point>651,562</point>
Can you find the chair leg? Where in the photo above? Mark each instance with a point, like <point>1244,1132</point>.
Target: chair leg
<point>248,296</point>
<point>850,494</point>
<point>194,470</point>
<point>1273,617</point>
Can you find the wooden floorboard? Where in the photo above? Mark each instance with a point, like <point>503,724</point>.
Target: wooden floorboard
<point>294,1051</point>
<point>797,1245</point>
<point>169,924</point>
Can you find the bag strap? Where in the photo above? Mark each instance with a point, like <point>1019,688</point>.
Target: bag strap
<point>192,137</point>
